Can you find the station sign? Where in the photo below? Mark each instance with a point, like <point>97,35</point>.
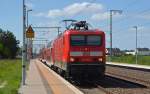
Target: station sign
<point>30,32</point>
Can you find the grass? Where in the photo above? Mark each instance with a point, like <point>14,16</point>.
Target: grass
<point>10,74</point>
<point>142,60</point>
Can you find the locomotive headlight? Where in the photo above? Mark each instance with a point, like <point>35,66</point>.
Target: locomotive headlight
<point>100,59</point>
<point>72,59</point>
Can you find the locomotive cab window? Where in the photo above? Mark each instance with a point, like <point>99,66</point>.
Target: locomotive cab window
<point>94,40</point>
<point>85,40</point>
<point>77,40</point>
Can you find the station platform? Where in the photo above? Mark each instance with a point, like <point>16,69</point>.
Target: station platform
<point>42,80</point>
<point>129,65</point>
<point>35,83</point>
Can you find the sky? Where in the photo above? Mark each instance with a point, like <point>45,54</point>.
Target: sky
<point>95,12</point>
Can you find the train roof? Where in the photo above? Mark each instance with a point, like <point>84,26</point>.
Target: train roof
<point>92,31</point>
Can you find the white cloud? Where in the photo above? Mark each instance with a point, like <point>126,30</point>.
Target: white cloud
<point>76,9</point>
<point>100,16</point>
<point>55,13</point>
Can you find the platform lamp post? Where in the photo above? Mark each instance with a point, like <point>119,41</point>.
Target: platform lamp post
<point>111,15</point>
<point>24,45</point>
<point>136,45</point>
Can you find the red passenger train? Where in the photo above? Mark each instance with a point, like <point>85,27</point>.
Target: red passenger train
<point>78,51</point>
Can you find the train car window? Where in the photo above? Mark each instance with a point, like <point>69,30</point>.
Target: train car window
<point>77,40</point>
<point>93,40</point>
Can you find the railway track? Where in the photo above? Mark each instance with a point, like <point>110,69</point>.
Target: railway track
<point>90,87</point>
<point>110,85</point>
<point>129,78</point>
<point>134,75</point>
<point>103,89</point>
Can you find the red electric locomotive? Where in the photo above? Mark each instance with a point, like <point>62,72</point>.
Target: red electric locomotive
<point>79,51</point>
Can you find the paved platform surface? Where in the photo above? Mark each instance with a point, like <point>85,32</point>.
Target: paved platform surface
<point>129,65</point>
<point>35,83</point>
<point>42,80</point>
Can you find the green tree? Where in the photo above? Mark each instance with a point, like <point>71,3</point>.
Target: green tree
<point>8,44</point>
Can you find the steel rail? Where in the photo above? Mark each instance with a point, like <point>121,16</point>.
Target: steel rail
<point>129,78</point>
